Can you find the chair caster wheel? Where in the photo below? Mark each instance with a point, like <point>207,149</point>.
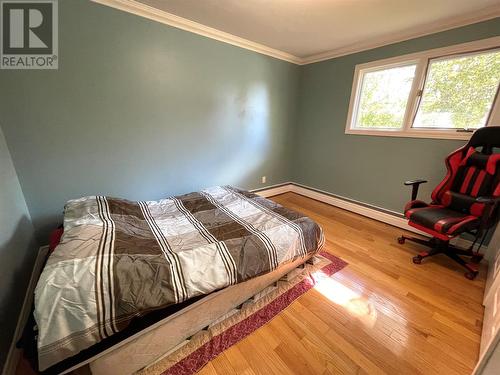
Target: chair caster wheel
<point>417,259</point>
<point>471,275</point>
<point>401,240</point>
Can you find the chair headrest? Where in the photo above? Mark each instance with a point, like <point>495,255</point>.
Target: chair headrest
<point>488,137</point>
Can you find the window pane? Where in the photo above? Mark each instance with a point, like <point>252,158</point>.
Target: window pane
<point>459,91</point>
<point>383,97</point>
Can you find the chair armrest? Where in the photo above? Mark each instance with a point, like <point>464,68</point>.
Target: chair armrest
<point>490,214</point>
<point>488,200</point>
<point>415,184</point>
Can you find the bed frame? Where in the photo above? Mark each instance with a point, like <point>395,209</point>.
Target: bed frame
<point>167,335</point>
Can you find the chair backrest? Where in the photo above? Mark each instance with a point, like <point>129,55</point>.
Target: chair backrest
<point>473,171</point>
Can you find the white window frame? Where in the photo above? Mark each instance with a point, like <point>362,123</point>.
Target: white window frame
<point>421,59</point>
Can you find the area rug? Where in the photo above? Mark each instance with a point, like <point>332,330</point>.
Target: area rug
<point>195,353</point>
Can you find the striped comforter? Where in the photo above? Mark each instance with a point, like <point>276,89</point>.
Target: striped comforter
<point>120,259</point>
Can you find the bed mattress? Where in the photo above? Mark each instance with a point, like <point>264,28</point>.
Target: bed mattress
<point>119,260</point>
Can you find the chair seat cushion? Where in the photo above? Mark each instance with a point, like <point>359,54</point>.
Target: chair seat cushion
<point>442,220</point>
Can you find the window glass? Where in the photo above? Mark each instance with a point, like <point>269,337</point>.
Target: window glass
<point>384,96</point>
<point>459,91</point>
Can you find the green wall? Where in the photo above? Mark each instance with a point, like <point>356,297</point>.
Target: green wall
<point>17,248</point>
<point>369,169</point>
<point>141,110</point>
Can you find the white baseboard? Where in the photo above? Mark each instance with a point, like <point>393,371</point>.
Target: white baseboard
<point>273,190</point>
<point>373,212</point>
<point>14,353</point>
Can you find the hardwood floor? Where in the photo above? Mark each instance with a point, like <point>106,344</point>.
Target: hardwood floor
<point>380,315</point>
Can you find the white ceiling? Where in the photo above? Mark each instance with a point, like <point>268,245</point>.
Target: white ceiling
<point>305,28</point>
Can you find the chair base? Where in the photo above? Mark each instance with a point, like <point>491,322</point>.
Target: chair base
<point>438,246</point>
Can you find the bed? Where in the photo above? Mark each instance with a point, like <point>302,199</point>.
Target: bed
<point>185,261</point>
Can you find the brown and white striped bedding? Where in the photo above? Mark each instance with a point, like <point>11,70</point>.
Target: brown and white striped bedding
<point>120,259</point>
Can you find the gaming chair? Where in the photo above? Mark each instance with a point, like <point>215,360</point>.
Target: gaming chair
<point>466,201</point>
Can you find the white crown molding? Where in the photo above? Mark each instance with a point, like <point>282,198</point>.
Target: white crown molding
<point>430,28</point>
<point>146,11</point>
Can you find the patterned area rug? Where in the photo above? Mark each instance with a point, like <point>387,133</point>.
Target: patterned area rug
<point>192,355</point>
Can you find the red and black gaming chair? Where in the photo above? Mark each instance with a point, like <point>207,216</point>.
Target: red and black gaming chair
<point>466,201</point>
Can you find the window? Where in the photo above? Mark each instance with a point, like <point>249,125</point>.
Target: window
<point>459,91</point>
<point>443,93</point>
<point>383,97</point>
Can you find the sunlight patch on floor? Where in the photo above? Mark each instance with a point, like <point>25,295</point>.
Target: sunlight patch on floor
<point>359,306</point>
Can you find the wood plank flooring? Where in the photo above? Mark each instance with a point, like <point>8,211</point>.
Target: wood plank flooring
<point>380,315</point>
